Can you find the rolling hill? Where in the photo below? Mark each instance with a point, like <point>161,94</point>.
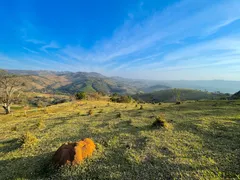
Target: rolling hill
<point>236,95</point>
<point>169,95</point>
<point>70,83</point>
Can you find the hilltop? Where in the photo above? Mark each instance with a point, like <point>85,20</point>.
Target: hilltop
<point>202,141</point>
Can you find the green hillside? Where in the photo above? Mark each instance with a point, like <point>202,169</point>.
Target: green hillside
<point>236,95</point>
<point>70,83</point>
<point>201,141</point>
<point>170,95</point>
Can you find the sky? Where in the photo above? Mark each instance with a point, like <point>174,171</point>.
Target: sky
<point>143,39</point>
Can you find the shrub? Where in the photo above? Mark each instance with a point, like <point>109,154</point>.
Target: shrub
<point>159,103</point>
<point>178,102</point>
<point>160,121</point>
<point>101,111</point>
<point>41,124</point>
<point>121,98</point>
<point>136,105</point>
<point>141,107</point>
<point>90,112</point>
<point>14,128</point>
<point>80,95</point>
<point>119,115</point>
<point>28,140</point>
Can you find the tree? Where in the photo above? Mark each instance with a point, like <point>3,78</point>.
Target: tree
<point>80,95</point>
<point>9,90</point>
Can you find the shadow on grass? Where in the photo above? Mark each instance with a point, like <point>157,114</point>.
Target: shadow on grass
<point>219,140</point>
<point>33,167</point>
<point>9,145</point>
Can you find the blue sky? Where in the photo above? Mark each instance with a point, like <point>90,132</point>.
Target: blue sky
<point>147,39</point>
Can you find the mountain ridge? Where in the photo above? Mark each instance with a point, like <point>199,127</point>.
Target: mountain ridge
<point>63,80</point>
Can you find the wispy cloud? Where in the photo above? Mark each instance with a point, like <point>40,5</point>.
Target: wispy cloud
<point>161,29</point>
<point>35,41</point>
<point>29,50</point>
<point>187,35</point>
<point>51,45</point>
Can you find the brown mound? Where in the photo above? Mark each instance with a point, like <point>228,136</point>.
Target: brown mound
<point>73,153</point>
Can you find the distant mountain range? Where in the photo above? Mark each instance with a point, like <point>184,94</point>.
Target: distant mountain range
<point>72,82</point>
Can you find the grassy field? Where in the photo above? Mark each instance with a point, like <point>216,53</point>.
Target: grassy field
<point>202,143</point>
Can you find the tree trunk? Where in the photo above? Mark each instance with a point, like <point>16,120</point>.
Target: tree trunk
<point>7,109</point>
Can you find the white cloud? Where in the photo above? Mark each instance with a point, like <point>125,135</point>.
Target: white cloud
<point>51,45</point>
<point>29,50</point>
<point>35,41</point>
<point>159,42</point>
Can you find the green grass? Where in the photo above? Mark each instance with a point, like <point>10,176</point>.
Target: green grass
<point>203,143</point>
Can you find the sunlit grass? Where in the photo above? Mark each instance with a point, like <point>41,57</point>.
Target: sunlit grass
<point>203,142</point>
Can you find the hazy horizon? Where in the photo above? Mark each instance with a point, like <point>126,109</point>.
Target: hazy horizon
<point>141,39</point>
<point>118,76</point>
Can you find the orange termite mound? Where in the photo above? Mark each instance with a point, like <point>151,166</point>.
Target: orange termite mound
<point>74,153</point>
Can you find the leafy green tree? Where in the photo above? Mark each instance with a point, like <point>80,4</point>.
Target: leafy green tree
<point>80,95</point>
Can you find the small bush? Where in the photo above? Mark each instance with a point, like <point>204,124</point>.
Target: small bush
<point>90,112</point>
<point>80,95</point>
<point>159,103</point>
<point>119,115</point>
<point>14,128</point>
<point>141,107</point>
<point>121,98</point>
<point>136,105</point>
<point>101,111</point>
<point>28,140</point>
<point>178,102</point>
<point>41,124</point>
<point>160,121</point>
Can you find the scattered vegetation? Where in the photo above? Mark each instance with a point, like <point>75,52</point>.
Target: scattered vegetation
<point>121,98</point>
<point>101,111</point>
<point>41,124</point>
<point>203,142</point>
<point>28,140</point>
<point>160,121</point>
<point>119,115</point>
<point>177,95</point>
<point>80,95</point>
<point>90,112</point>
